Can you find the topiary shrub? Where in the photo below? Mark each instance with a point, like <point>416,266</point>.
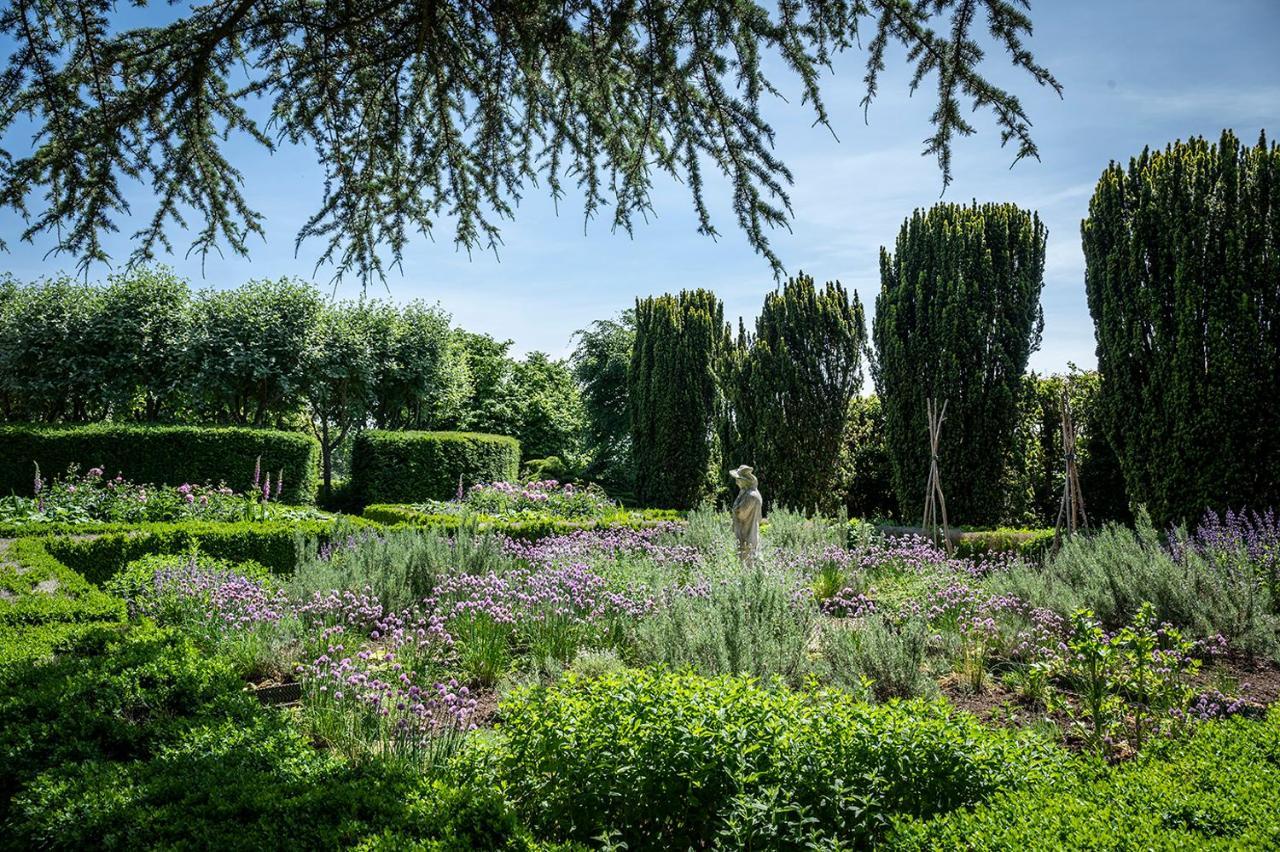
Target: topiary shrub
<point>408,467</point>
<point>160,455</point>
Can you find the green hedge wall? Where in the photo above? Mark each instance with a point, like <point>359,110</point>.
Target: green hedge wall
<point>408,467</point>
<point>270,543</point>
<point>163,455</point>
<point>526,528</point>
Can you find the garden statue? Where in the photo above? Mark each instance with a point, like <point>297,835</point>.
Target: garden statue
<point>746,512</point>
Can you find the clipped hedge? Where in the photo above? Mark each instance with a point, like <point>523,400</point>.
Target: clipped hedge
<point>44,605</point>
<point>409,467</point>
<point>162,455</point>
<point>273,544</point>
<point>1028,543</point>
<point>529,527</point>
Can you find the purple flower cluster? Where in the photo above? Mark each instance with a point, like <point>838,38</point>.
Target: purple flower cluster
<point>848,604</point>
<point>570,592</point>
<point>226,599</point>
<point>1255,536</point>
<point>581,545</point>
<point>1212,704</point>
<point>375,683</point>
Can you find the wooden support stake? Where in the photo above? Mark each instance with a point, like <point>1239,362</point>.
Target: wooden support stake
<point>933,497</point>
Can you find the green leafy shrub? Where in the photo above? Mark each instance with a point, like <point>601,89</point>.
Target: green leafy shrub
<point>1215,790</point>
<point>1180,274</point>
<point>682,761</point>
<point>85,500</point>
<point>157,746</point>
<point>163,455</point>
<point>406,467</point>
<point>270,543</point>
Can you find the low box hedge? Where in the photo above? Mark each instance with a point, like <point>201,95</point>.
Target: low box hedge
<point>409,467</point>
<point>524,528</point>
<point>270,543</point>
<point>161,455</point>
<point>44,605</point>
<point>37,588</point>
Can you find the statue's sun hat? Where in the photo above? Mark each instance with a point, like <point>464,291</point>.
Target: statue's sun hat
<point>741,471</point>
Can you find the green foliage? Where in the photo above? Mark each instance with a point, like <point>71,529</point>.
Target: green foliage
<point>248,351</point>
<point>158,746</point>
<point>957,317</point>
<point>1216,790</point>
<point>273,544</point>
<point>600,362</point>
<point>881,656</point>
<point>36,588</point>
<point>422,378</point>
<point>404,467</point>
<point>788,387</point>
<point>48,370</point>
<point>1034,476</point>
<point>673,393</point>
<point>1114,572</point>
<point>503,101</point>
<point>549,415</point>
<point>163,455</point>
<point>1031,544</point>
<point>677,760</point>
<point>528,526</point>
<point>1181,272</point>
<point>748,624</point>
<point>864,480</point>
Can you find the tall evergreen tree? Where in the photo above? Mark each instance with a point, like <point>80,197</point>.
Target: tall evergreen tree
<point>673,394</point>
<point>448,111</point>
<point>957,318</point>
<point>1183,279</point>
<point>788,389</point>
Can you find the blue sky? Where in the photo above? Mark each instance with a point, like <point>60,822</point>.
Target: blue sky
<point>1135,74</point>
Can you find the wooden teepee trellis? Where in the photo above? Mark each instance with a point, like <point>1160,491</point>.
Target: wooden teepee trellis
<point>933,498</point>
<point>1071,513</point>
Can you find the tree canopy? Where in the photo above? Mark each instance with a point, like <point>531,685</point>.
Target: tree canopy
<point>423,113</point>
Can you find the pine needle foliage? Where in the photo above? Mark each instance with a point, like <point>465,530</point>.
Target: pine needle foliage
<point>431,114</point>
<point>1183,279</point>
<point>957,318</point>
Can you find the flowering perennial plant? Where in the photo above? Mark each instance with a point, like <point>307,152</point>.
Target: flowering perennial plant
<point>508,501</point>
<point>95,497</point>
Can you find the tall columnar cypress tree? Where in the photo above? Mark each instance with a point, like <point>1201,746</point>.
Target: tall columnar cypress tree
<point>1183,278</point>
<point>957,317</point>
<point>788,390</point>
<point>673,396</point>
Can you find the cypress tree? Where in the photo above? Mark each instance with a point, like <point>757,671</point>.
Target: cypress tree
<point>673,396</point>
<point>1183,281</point>
<point>788,390</point>
<point>957,317</point>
